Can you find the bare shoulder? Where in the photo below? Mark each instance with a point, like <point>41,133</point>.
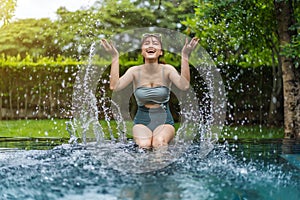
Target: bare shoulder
<point>169,68</point>
<point>134,69</point>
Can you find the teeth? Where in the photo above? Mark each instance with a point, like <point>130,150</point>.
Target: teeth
<point>151,51</point>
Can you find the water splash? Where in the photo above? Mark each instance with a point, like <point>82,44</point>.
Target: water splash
<point>201,118</point>
<point>67,172</point>
<point>85,110</point>
<point>121,125</point>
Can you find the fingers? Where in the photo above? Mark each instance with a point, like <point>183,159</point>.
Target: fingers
<point>109,47</point>
<point>105,44</point>
<point>193,43</point>
<point>112,46</point>
<point>186,41</point>
<point>189,46</point>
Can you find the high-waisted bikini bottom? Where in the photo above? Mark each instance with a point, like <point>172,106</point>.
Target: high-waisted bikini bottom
<point>154,117</point>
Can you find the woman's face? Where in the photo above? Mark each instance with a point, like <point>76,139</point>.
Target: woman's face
<point>151,48</point>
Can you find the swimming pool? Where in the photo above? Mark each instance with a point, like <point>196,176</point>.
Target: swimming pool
<point>232,170</point>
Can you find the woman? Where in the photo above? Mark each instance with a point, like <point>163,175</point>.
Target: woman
<point>153,123</point>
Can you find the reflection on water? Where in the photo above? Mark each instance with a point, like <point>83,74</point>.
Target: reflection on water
<point>239,170</point>
<point>30,143</point>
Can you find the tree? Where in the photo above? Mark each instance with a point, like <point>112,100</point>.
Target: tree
<point>168,14</point>
<point>77,30</point>
<point>29,36</point>
<point>73,32</point>
<point>241,34</point>
<point>244,33</point>
<point>7,8</point>
<point>285,17</point>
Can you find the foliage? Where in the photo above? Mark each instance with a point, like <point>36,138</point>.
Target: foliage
<point>292,50</point>
<point>40,61</point>
<point>35,37</point>
<point>7,8</point>
<point>77,30</point>
<point>236,32</point>
<point>73,33</point>
<point>36,87</point>
<point>168,14</point>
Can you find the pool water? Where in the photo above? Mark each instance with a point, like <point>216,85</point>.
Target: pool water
<point>232,170</point>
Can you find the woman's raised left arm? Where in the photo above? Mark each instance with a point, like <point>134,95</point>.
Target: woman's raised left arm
<point>183,81</point>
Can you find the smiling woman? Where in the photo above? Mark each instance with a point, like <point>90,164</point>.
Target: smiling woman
<point>153,123</point>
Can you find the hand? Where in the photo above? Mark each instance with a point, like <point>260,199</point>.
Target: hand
<point>110,48</point>
<point>189,46</point>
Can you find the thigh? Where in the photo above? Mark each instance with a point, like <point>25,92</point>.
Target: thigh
<point>141,132</point>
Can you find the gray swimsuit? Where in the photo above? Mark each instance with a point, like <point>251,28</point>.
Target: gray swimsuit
<point>153,117</point>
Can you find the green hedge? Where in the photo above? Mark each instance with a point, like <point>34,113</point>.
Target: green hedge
<point>36,87</point>
<point>43,87</point>
<point>40,61</point>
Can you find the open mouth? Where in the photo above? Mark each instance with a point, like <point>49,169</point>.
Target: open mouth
<point>150,51</point>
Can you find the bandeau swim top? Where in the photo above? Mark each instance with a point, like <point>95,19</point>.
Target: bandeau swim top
<point>152,95</point>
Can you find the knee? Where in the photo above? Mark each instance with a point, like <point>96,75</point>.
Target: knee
<point>159,141</point>
<point>144,143</point>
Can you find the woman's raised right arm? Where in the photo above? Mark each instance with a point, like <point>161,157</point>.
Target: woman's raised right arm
<point>114,70</point>
<point>116,83</point>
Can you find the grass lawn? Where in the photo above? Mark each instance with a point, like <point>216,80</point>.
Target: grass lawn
<point>34,128</point>
<point>57,128</point>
